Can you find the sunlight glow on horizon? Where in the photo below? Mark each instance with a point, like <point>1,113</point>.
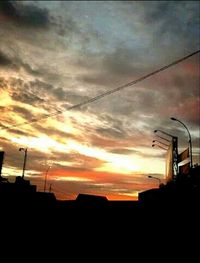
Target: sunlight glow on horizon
<point>111,162</point>
<point>72,179</point>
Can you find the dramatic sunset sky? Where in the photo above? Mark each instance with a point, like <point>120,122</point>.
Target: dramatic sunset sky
<point>57,54</point>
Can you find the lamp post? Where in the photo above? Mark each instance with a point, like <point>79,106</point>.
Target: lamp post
<point>174,140</point>
<point>45,180</point>
<point>190,139</point>
<point>25,157</point>
<point>156,178</point>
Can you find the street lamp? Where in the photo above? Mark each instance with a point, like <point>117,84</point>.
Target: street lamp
<point>156,178</point>
<point>174,140</point>
<point>165,133</point>
<point>25,157</point>
<point>190,139</point>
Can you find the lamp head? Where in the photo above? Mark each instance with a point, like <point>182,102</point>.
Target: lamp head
<point>173,119</point>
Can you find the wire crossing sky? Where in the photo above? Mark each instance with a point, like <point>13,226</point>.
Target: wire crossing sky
<point>91,100</point>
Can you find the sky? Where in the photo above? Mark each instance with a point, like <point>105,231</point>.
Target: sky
<point>56,54</point>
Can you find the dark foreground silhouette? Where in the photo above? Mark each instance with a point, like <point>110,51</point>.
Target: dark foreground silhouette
<point>172,204</point>
<point>163,220</point>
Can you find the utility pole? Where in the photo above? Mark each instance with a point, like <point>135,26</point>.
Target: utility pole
<point>45,180</point>
<point>25,157</point>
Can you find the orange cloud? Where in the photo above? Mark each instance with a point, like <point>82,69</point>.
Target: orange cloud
<point>68,184</point>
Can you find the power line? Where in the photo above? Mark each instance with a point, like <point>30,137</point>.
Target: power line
<point>105,93</point>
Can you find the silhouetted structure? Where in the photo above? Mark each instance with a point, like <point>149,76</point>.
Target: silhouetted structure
<point>1,160</point>
<point>87,198</point>
<point>176,198</point>
<point>182,194</point>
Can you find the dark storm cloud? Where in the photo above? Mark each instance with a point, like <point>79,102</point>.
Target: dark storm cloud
<point>25,15</point>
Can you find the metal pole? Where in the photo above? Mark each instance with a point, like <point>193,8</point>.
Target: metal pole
<point>45,180</point>
<point>190,139</point>
<point>175,151</point>
<point>1,160</point>
<point>24,165</point>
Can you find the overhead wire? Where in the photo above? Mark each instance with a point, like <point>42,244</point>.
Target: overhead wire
<point>98,97</point>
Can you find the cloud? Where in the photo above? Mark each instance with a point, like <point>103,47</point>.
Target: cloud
<point>12,156</point>
<point>111,132</point>
<point>27,97</point>
<point>123,151</point>
<point>24,91</point>
<point>64,24</point>
<point>55,132</point>
<point>25,15</point>
<point>4,60</point>
<point>166,18</point>
<point>12,59</point>
<point>57,54</point>
<point>23,112</point>
<point>122,64</point>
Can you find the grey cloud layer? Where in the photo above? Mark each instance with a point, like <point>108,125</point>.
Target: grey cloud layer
<point>45,39</point>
